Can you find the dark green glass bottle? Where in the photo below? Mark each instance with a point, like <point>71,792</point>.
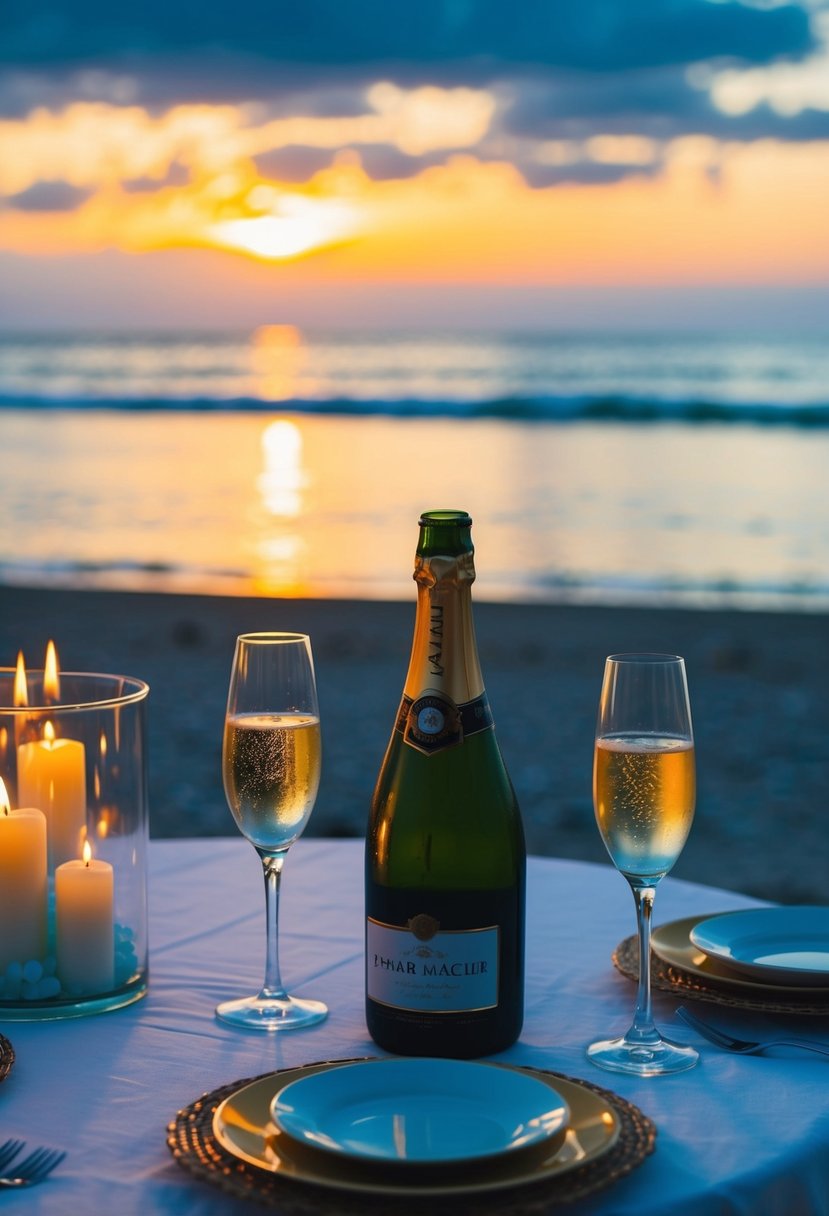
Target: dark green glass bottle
<point>445,853</point>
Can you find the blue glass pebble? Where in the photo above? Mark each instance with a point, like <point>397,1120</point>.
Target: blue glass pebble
<point>32,971</point>
<point>30,981</point>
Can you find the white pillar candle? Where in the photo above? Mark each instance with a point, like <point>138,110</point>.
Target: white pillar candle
<point>51,774</point>
<point>84,925</point>
<point>22,883</point>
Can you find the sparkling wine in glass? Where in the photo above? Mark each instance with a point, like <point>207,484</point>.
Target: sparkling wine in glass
<point>644,791</point>
<point>271,757</point>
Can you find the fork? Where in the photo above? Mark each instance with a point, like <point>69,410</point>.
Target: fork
<point>34,1168</point>
<point>9,1150</point>
<point>744,1047</point>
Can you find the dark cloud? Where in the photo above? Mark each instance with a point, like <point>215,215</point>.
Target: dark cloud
<point>764,122</point>
<point>584,173</point>
<point>588,34</point>
<point>412,38</point>
<point>295,163</point>
<point>567,105</point>
<point>384,163</point>
<point>48,196</point>
<point>381,162</point>
<point>347,99</point>
<point>659,103</point>
<point>212,77</point>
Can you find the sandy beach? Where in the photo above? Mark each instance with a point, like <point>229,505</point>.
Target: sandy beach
<point>758,689</point>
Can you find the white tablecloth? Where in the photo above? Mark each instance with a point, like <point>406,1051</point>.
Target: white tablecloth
<point>735,1135</point>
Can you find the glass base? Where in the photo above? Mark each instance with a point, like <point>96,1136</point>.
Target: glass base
<point>265,1013</point>
<point>642,1059</point>
<point>69,1007</point>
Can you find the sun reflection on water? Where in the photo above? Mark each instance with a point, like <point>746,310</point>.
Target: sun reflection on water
<point>278,355</point>
<point>280,547</point>
<point>281,483</point>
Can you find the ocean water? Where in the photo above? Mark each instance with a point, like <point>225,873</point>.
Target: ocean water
<point>597,468</point>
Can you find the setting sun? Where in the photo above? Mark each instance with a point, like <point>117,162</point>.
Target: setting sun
<point>300,226</point>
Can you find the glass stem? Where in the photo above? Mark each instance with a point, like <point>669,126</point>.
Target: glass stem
<point>273,989</point>
<point>643,1029</point>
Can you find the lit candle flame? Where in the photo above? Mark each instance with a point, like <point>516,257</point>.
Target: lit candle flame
<point>51,674</point>
<point>5,805</point>
<point>21,691</point>
<point>87,852</point>
<point>49,733</point>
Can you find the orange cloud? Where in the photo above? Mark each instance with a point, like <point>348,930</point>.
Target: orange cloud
<point>746,212</point>
<point>761,219</point>
<point>95,144</point>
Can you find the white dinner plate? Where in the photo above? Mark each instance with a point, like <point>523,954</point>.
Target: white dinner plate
<point>243,1127</point>
<point>420,1111</point>
<point>782,945</point>
<point>672,943</point>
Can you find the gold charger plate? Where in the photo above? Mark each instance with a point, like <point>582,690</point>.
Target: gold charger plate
<point>672,943</point>
<point>611,1137</point>
<point>678,967</point>
<point>242,1125</point>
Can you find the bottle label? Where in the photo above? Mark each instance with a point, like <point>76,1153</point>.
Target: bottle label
<point>418,967</point>
<point>433,721</point>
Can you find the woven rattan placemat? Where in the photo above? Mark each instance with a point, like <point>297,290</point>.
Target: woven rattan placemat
<point>6,1057</point>
<point>191,1140</point>
<point>682,984</point>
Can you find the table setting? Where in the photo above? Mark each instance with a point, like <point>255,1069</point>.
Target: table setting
<point>679,966</point>
<point>166,1063</point>
<point>415,1129</point>
<point>189,1093</point>
<point>232,1139</point>
<point>602,1139</point>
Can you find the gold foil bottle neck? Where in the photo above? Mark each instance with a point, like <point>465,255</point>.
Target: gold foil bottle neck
<point>445,572</point>
<point>444,656</point>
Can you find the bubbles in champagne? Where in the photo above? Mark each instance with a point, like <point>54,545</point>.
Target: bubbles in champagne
<point>271,774</point>
<point>644,794</point>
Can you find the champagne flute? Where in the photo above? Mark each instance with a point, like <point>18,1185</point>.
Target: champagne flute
<point>644,790</point>
<point>271,757</point>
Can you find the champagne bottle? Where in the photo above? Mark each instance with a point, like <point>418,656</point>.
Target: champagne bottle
<point>445,853</point>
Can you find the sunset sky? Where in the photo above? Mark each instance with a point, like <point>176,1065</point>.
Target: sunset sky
<point>546,162</point>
